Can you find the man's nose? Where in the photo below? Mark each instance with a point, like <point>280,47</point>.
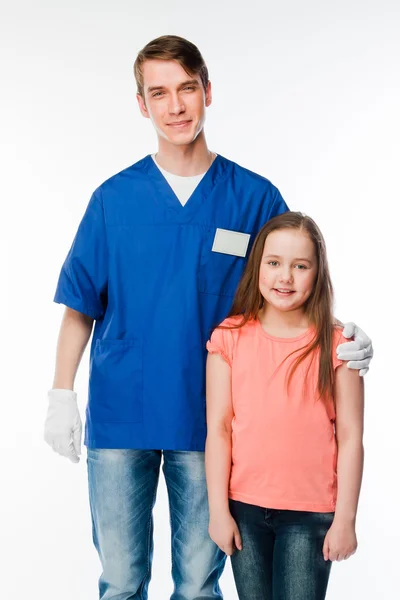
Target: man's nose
<point>176,106</point>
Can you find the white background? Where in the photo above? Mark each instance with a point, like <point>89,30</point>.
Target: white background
<point>305,93</point>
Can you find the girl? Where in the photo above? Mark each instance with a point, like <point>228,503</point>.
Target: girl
<point>284,450</point>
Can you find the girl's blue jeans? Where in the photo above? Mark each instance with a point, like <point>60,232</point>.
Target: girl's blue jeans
<point>282,555</point>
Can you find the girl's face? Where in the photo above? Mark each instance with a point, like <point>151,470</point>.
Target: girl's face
<point>288,269</point>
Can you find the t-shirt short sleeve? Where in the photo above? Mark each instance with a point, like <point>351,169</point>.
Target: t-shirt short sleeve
<point>82,284</point>
<point>338,339</point>
<point>221,342</point>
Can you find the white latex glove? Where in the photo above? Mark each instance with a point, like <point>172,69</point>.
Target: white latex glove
<point>63,426</point>
<point>359,352</point>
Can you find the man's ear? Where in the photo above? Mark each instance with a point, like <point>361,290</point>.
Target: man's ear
<point>142,106</point>
<point>208,94</point>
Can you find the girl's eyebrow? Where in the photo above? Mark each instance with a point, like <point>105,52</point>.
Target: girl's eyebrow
<point>304,260</point>
<point>277,256</point>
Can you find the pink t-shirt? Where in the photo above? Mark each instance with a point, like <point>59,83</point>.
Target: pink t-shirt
<point>284,450</point>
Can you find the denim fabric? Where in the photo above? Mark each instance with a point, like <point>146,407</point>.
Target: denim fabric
<point>122,493</point>
<point>282,555</point>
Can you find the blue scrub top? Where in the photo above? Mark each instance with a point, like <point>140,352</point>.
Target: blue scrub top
<point>142,266</point>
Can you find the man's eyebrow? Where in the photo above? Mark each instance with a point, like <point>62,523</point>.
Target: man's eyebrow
<point>189,82</point>
<point>155,88</point>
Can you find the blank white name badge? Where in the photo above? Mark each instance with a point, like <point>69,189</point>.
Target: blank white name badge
<point>231,242</point>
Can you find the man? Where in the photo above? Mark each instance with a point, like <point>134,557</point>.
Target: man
<point>155,263</point>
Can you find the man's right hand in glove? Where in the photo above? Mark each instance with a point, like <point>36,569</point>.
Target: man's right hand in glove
<point>63,426</point>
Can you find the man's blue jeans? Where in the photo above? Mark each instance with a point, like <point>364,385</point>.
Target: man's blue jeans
<point>122,493</point>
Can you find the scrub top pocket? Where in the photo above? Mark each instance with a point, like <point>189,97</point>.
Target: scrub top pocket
<point>116,381</point>
<point>218,273</point>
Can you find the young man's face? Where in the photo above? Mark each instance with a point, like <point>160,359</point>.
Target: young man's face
<point>174,101</point>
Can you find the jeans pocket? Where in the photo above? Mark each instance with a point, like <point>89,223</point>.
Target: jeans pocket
<point>116,382</point>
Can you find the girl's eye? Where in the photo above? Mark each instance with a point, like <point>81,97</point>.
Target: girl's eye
<point>301,267</point>
<point>273,263</point>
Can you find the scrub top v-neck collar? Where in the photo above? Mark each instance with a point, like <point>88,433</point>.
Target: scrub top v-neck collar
<point>167,197</point>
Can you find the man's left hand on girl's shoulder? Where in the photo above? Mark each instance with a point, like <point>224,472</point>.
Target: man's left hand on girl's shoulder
<point>359,351</point>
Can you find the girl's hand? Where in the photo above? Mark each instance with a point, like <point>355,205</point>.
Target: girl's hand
<point>225,533</point>
<point>340,541</point>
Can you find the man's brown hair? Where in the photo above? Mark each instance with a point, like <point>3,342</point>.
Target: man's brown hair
<point>171,47</point>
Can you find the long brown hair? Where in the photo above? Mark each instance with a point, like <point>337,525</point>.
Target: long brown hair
<point>248,299</point>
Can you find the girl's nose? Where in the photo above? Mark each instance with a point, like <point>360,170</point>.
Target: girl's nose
<point>286,276</point>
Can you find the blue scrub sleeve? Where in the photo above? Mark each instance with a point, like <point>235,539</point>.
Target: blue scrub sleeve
<point>279,206</point>
<point>82,284</point>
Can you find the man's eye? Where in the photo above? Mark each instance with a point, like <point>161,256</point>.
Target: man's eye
<point>157,94</point>
<point>189,87</point>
